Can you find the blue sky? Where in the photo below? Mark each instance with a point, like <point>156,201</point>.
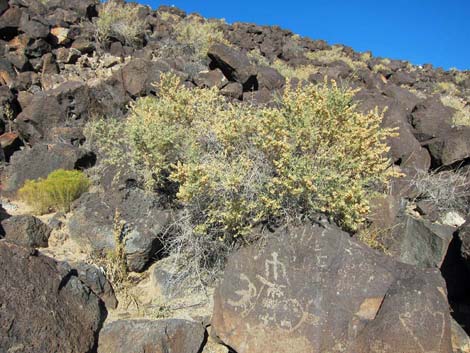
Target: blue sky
<point>420,31</point>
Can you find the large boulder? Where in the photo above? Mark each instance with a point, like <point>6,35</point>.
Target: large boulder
<point>56,115</point>
<point>431,119</point>
<point>269,78</point>
<point>450,148</point>
<point>234,64</point>
<point>136,336</point>
<point>109,97</point>
<point>405,150</point>
<point>93,218</point>
<point>139,75</point>
<point>26,230</point>
<point>83,8</point>
<point>45,308</point>
<point>40,160</point>
<point>314,289</point>
<point>213,78</point>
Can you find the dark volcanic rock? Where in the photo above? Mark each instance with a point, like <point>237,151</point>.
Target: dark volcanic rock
<point>95,279</point>
<point>314,289</point>
<point>161,336</point>
<point>10,143</point>
<point>233,90</point>
<point>213,78</point>
<point>405,150</point>
<point>39,161</point>
<point>83,8</point>
<point>431,119</point>
<point>464,239</point>
<point>139,75</point>
<point>53,114</point>
<point>27,231</point>
<point>109,98</point>
<point>234,64</point>
<point>270,78</point>
<point>3,6</point>
<point>420,242</point>
<point>93,220</point>
<point>450,147</point>
<point>45,308</point>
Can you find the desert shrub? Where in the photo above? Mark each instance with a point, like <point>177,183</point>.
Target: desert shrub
<point>7,113</point>
<point>121,20</point>
<point>199,34</point>
<point>335,53</point>
<point>446,190</point>
<point>302,72</point>
<point>236,166</point>
<point>461,115</point>
<point>459,76</point>
<point>56,192</point>
<point>257,57</point>
<point>446,88</point>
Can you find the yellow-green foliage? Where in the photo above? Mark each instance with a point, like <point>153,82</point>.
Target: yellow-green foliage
<point>446,88</point>
<point>199,34</point>
<point>168,16</point>
<point>335,54</point>
<point>382,66</point>
<point>56,192</point>
<point>121,20</point>
<point>257,57</point>
<point>301,72</point>
<point>237,165</point>
<point>462,110</point>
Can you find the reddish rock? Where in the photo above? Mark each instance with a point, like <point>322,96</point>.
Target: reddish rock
<point>44,307</point>
<point>314,289</point>
<point>10,143</point>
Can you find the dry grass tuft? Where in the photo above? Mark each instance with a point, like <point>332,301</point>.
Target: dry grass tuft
<point>121,20</point>
<point>446,190</point>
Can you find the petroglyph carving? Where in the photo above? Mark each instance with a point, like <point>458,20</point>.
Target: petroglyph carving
<point>405,319</point>
<point>246,295</point>
<point>276,265</point>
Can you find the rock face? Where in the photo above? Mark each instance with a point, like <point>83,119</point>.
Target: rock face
<point>26,231</point>
<point>95,279</point>
<point>40,160</point>
<point>92,223</point>
<point>464,239</point>
<point>162,336</point>
<point>235,65</point>
<point>313,289</point>
<point>421,242</point>
<point>44,307</point>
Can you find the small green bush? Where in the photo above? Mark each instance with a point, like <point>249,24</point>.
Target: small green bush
<point>56,192</point>
<point>120,20</point>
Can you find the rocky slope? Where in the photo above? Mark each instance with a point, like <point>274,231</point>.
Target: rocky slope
<point>321,290</point>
